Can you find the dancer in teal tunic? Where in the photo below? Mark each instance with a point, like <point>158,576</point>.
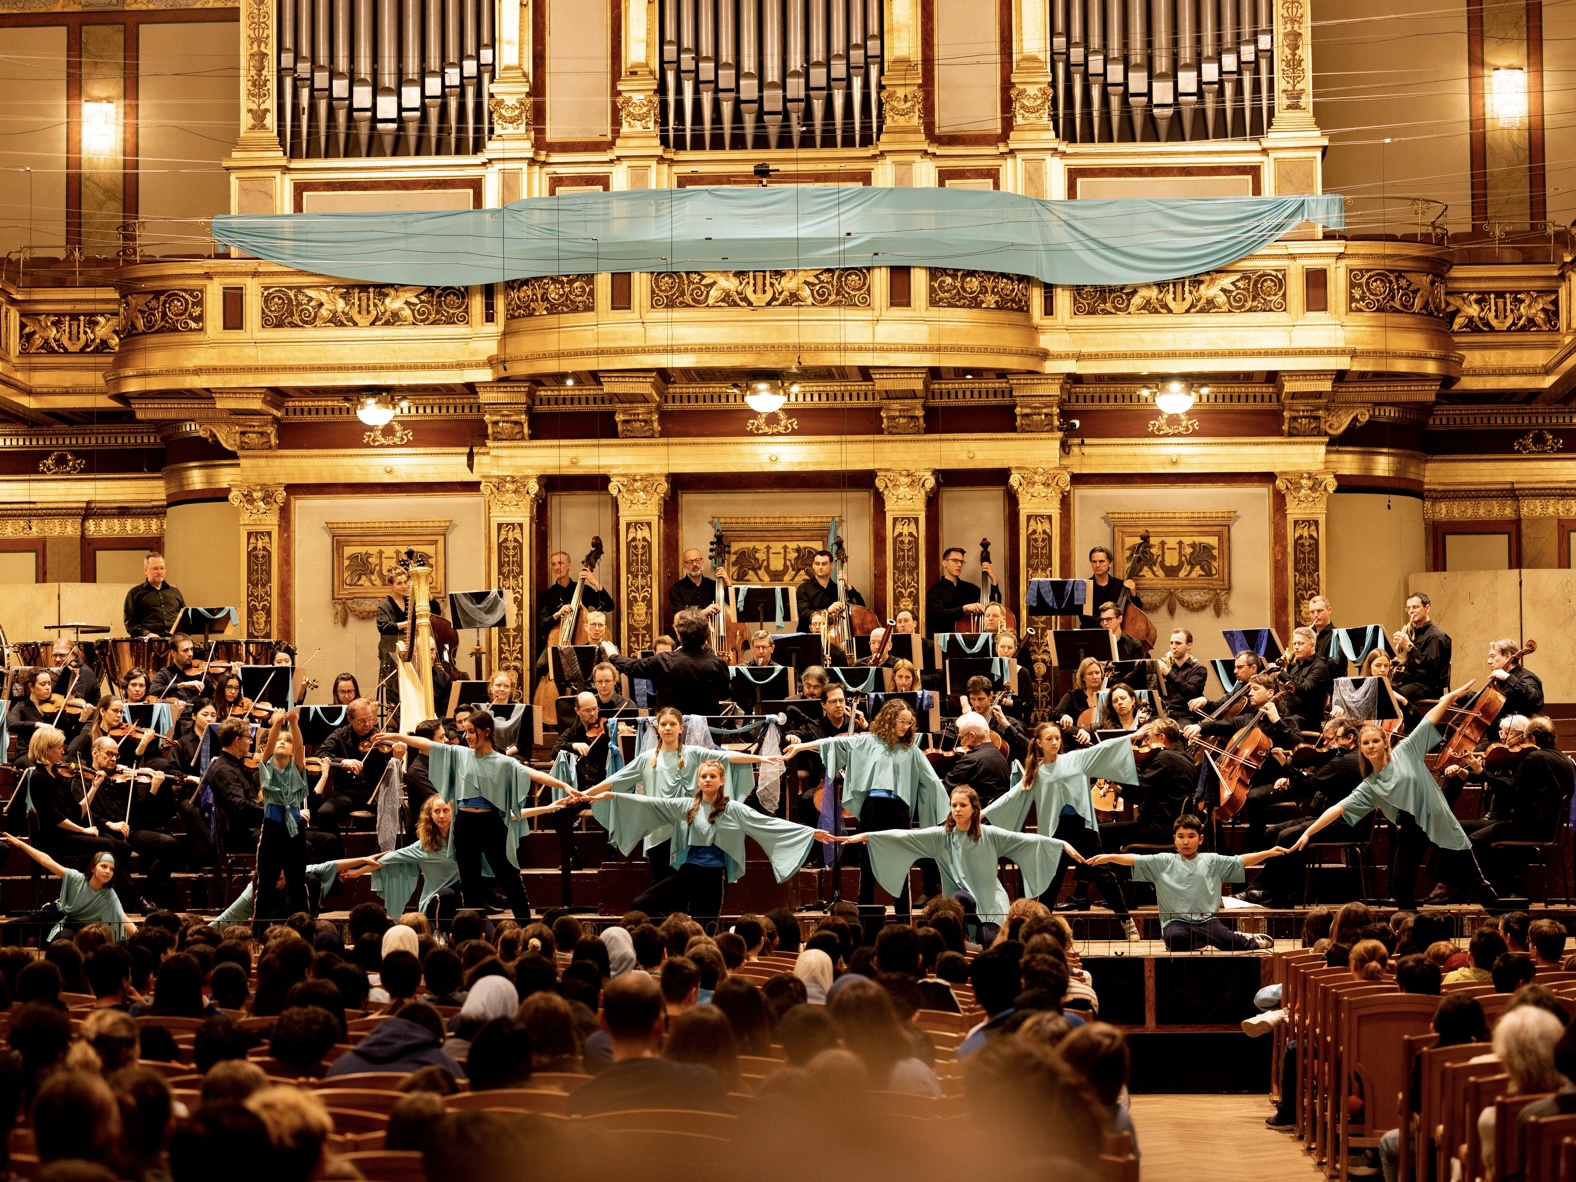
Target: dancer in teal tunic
<point>887,781</point>
<point>281,843</point>
<point>967,852</point>
<point>428,858</point>
<point>669,773</point>
<point>1400,784</point>
<point>84,898</point>
<point>1057,784</point>
<point>242,909</point>
<point>490,793</point>
<point>706,833</point>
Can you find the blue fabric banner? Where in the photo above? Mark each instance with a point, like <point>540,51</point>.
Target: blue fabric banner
<point>789,227</point>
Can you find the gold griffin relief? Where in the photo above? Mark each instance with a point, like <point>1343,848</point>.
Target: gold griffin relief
<point>364,306</point>
<point>827,287</point>
<point>1219,292</point>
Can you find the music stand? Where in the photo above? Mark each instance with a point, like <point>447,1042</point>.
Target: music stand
<point>951,645</point>
<point>1002,672</point>
<point>206,621</point>
<point>1367,699</point>
<point>466,693</point>
<point>798,650</point>
<point>587,655</point>
<point>1225,672</point>
<point>744,686</point>
<point>1055,597</point>
<point>263,683</point>
<point>1072,646</point>
<point>1264,641</point>
<point>763,605</point>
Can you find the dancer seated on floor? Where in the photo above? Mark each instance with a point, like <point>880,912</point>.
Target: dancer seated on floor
<point>84,898</point>
<point>1187,888</point>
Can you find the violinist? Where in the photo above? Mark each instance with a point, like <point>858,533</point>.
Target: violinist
<point>234,787</point>
<point>1076,712</point>
<point>604,682</point>
<point>692,677</point>
<point>1539,798</point>
<point>1423,652</point>
<point>1127,649</point>
<point>1245,665</point>
<point>182,678</point>
<point>587,739</point>
<point>1181,677</point>
<point>357,769</point>
<point>106,723</point>
<point>73,679</point>
<point>1019,701</point>
<point>1166,781</point>
<point>29,711</point>
<point>1497,783</point>
<point>952,597</point>
<point>1309,675</point>
<point>1282,733</point>
<point>141,804</point>
<point>189,736</point>
<point>1326,643</point>
<point>393,623</point>
<point>818,592</point>
<point>693,588</point>
<point>228,696</point>
<point>1122,710</point>
<point>137,686</point>
<point>552,605</point>
<point>1333,774</point>
<point>1104,589</point>
<point>1523,689</point>
<point>980,765</point>
<point>832,720</point>
<point>346,689</point>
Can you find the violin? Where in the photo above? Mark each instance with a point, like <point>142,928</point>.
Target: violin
<point>373,743</point>
<point>60,704</point>
<point>127,731</point>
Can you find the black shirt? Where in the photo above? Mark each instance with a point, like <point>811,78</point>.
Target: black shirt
<point>556,596</point>
<point>693,680</point>
<point>21,720</point>
<point>984,769</point>
<point>1165,787</point>
<point>1182,685</point>
<point>1326,646</point>
<point>1542,793</point>
<point>590,768</point>
<point>688,593</point>
<point>1334,779</point>
<point>344,743</point>
<point>945,601</point>
<point>1100,596</point>
<point>234,787</point>
<point>391,615</point>
<point>1523,691</point>
<point>811,597</point>
<point>1427,664</point>
<point>151,610</point>
<point>1283,734</point>
<point>1311,684</point>
<point>77,683</point>
<point>418,783</point>
<point>167,677</point>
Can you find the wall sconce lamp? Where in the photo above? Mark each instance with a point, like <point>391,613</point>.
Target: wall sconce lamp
<point>1507,99</point>
<point>100,130</point>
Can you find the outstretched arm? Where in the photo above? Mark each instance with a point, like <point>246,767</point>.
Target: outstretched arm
<point>1328,817</point>
<point>297,744</point>
<point>1263,856</point>
<point>1113,859</point>
<point>1437,715</point>
<point>543,778</point>
<point>38,856</point>
<point>415,741</point>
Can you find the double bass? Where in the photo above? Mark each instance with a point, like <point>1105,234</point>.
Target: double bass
<point>723,639</point>
<point>973,623</point>
<point>852,619</point>
<point>1134,622</point>
<point>1237,759</point>
<point>1472,721</point>
<point>569,630</point>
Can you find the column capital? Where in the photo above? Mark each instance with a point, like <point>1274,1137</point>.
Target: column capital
<point>1040,488</point>
<point>259,503</point>
<point>639,495</point>
<point>511,496</point>
<point>906,490</point>
<point>1306,493</point>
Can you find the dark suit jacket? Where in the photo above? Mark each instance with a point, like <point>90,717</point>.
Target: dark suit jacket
<point>693,680</point>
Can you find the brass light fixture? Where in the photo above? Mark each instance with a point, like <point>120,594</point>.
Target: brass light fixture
<point>766,394</point>
<point>1173,398</point>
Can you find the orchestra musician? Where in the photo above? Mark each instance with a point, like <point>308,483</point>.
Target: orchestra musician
<point>1422,651</point>
<point>153,606</point>
<point>1166,783</point>
<point>1083,697</point>
<point>1244,665</point>
<point>604,681</point>
<point>905,623</point>
<point>1181,677</point>
<point>980,763</point>
<point>905,677</point>
<point>1019,701</point>
<point>761,648</point>
<point>73,678</point>
<point>228,695</point>
<point>1010,737</point>
<point>1326,644</point>
<point>1122,710</point>
<point>993,619</point>
<point>28,711</point>
<point>1523,689</point>
<point>1309,675</point>
<point>150,807</point>
<point>136,687</point>
<point>587,738</point>
<point>597,633</point>
<point>833,720</point>
<point>952,597</point>
<point>181,679</point>
<point>552,604</point>
<point>1379,664</point>
<point>501,689</point>
<point>819,593</point>
<point>1282,732</point>
<point>1539,797</point>
<point>189,734</point>
<point>1314,787</point>
<point>834,653</point>
<point>1104,589</point>
<point>693,588</point>
<point>692,677</point>
<point>1127,649</point>
<point>359,766</point>
<point>393,623</point>
<point>418,784</point>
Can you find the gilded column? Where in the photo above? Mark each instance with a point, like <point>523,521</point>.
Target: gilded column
<point>260,506</point>
<point>1039,492</point>
<point>1307,496</point>
<point>259,103</point>
<point>1293,67</point>
<point>640,500</point>
<point>511,517</point>
<point>904,492</point>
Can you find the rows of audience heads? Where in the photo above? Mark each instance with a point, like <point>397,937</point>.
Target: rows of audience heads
<point>496,1005</point>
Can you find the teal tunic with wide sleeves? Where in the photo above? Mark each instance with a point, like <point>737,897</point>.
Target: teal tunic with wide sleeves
<point>286,787</point>
<point>242,909</point>
<point>785,843</point>
<point>1064,783</point>
<point>967,863</point>
<point>395,877</point>
<point>867,764</point>
<point>668,776</point>
<point>458,773</point>
<point>80,903</point>
<point>1406,785</point>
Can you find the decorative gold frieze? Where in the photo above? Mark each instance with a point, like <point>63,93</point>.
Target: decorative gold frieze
<point>826,287</point>
<point>124,526</point>
<point>1031,104</point>
<point>145,313</point>
<point>1291,60</point>
<point>637,422</point>
<point>259,64</point>
<point>259,503</point>
<point>259,583</point>
<point>1040,489</point>
<point>639,581</point>
<point>550,295</point>
<point>1535,443</point>
<point>953,288</point>
<point>1548,506</point>
<point>639,495</point>
<point>1215,292</point>
<point>1503,311</point>
<point>70,332</point>
<point>905,490</point>
<point>1178,558</point>
<point>1374,289</point>
<point>390,434</point>
<point>41,525</point>
<point>511,494</point>
<point>1307,419</point>
<point>509,114</point>
<point>900,108</point>
<point>364,306</point>
<point>637,112</point>
<point>509,561</point>
<point>907,563</point>
<point>1305,492</point>
<point>1479,508</point>
<point>61,463</point>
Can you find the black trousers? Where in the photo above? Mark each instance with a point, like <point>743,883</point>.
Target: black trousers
<point>1457,869</point>
<point>564,822</point>
<point>160,853</point>
<point>477,835</point>
<point>279,853</point>
<point>880,813</point>
<point>1503,867</point>
<point>696,890</point>
<point>1072,829</point>
<point>328,814</point>
<point>66,847</point>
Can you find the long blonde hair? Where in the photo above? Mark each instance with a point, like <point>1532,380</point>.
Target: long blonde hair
<point>427,831</point>
<point>1367,769</point>
<point>1368,960</point>
<point>974,802</point>
<point>1083,667</point>
<point>1031,762</point>
<point>678,714</point>
<point>722,797</point>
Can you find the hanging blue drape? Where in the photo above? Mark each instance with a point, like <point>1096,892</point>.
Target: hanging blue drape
<point>794,227</point>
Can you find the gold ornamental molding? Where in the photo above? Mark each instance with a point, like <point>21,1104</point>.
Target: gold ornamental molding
<point>905,490</point>
<point>150,313</point>
<point>509,114</point>
<point>1554,506</point>
<point>70,332</point>
<point>639,496</point>
<point>511,495</point>
<point>638,112</point>
<point>140,525</point>
<point>1503,311</point>
<point>1470,508</point>
<point>900,108</point>
<point>259,503</point>
<point>1539,443</point>
<point>948,287</point>
<point>364,306</point>
<point>243,435</point>
<point>1291,59</point>
<point>1504,418</point>
<point>1040,489</point>
<point>80,438</point>
<point>1305,492</point>
<point>33,522</point>
<point>1031,104</point>
<point>549,295</point>
<point>823,287</point>
<point>1218,292</point>
<point>1378,289</point>
<point>259,69</point>
<point>61,463</point>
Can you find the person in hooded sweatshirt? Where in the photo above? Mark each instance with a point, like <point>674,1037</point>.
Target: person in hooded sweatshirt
<point>408,1040</point>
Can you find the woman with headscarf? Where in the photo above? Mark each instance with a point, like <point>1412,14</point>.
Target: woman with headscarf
<point>620,951</point>
<point>489,998</point>
<point>814,968</point>
<point>398,938</point>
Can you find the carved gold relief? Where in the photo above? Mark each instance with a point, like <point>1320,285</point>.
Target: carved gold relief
<point>1039,562</point>
<point>1177,558</point>
<point>637,422</point>
<point>1378,290</point>
<point>1535,443</point>
<point>1215,292</point>
<point>550,295</point>
<point>907,574</point>
<point>35,525</point>
<point>905,490</point>
<point>390,434</point>
<point>900,107</point>
<point>771,551</point>
<point>1031,104</point>
<point>144,526</point>
<point>510,561</point>
<point>61,463</point>
<point>364,306</point>
<point>509,114</point>
<point>145,313</point>
<point>639,495</point>
<point>1040,488</point>
<point>950,288</point>
<point>639,587</point>
<point>1291,62</point>
<point>258,435</point>
<point>511,494</point>
<point>1481,508</point>
<point>1305,492</point>
<point>1503,311</point>
<point>1303,420</point>
<point>637,112</point>
<point>259,584</point>
<point>827,287</point>
<point>259,68</point>
<point>71,332</point>
<point>259,503</point>
<point>366,556</point>
<point>1305,574</point>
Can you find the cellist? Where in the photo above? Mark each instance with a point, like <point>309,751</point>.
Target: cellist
<point>1282,733</point>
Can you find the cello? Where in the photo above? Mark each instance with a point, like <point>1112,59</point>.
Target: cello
<point>547,690</point>
<point>1237,759</point>
<point>1134,622</point>
<point>1473,720</point>
<point>973,623</point>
